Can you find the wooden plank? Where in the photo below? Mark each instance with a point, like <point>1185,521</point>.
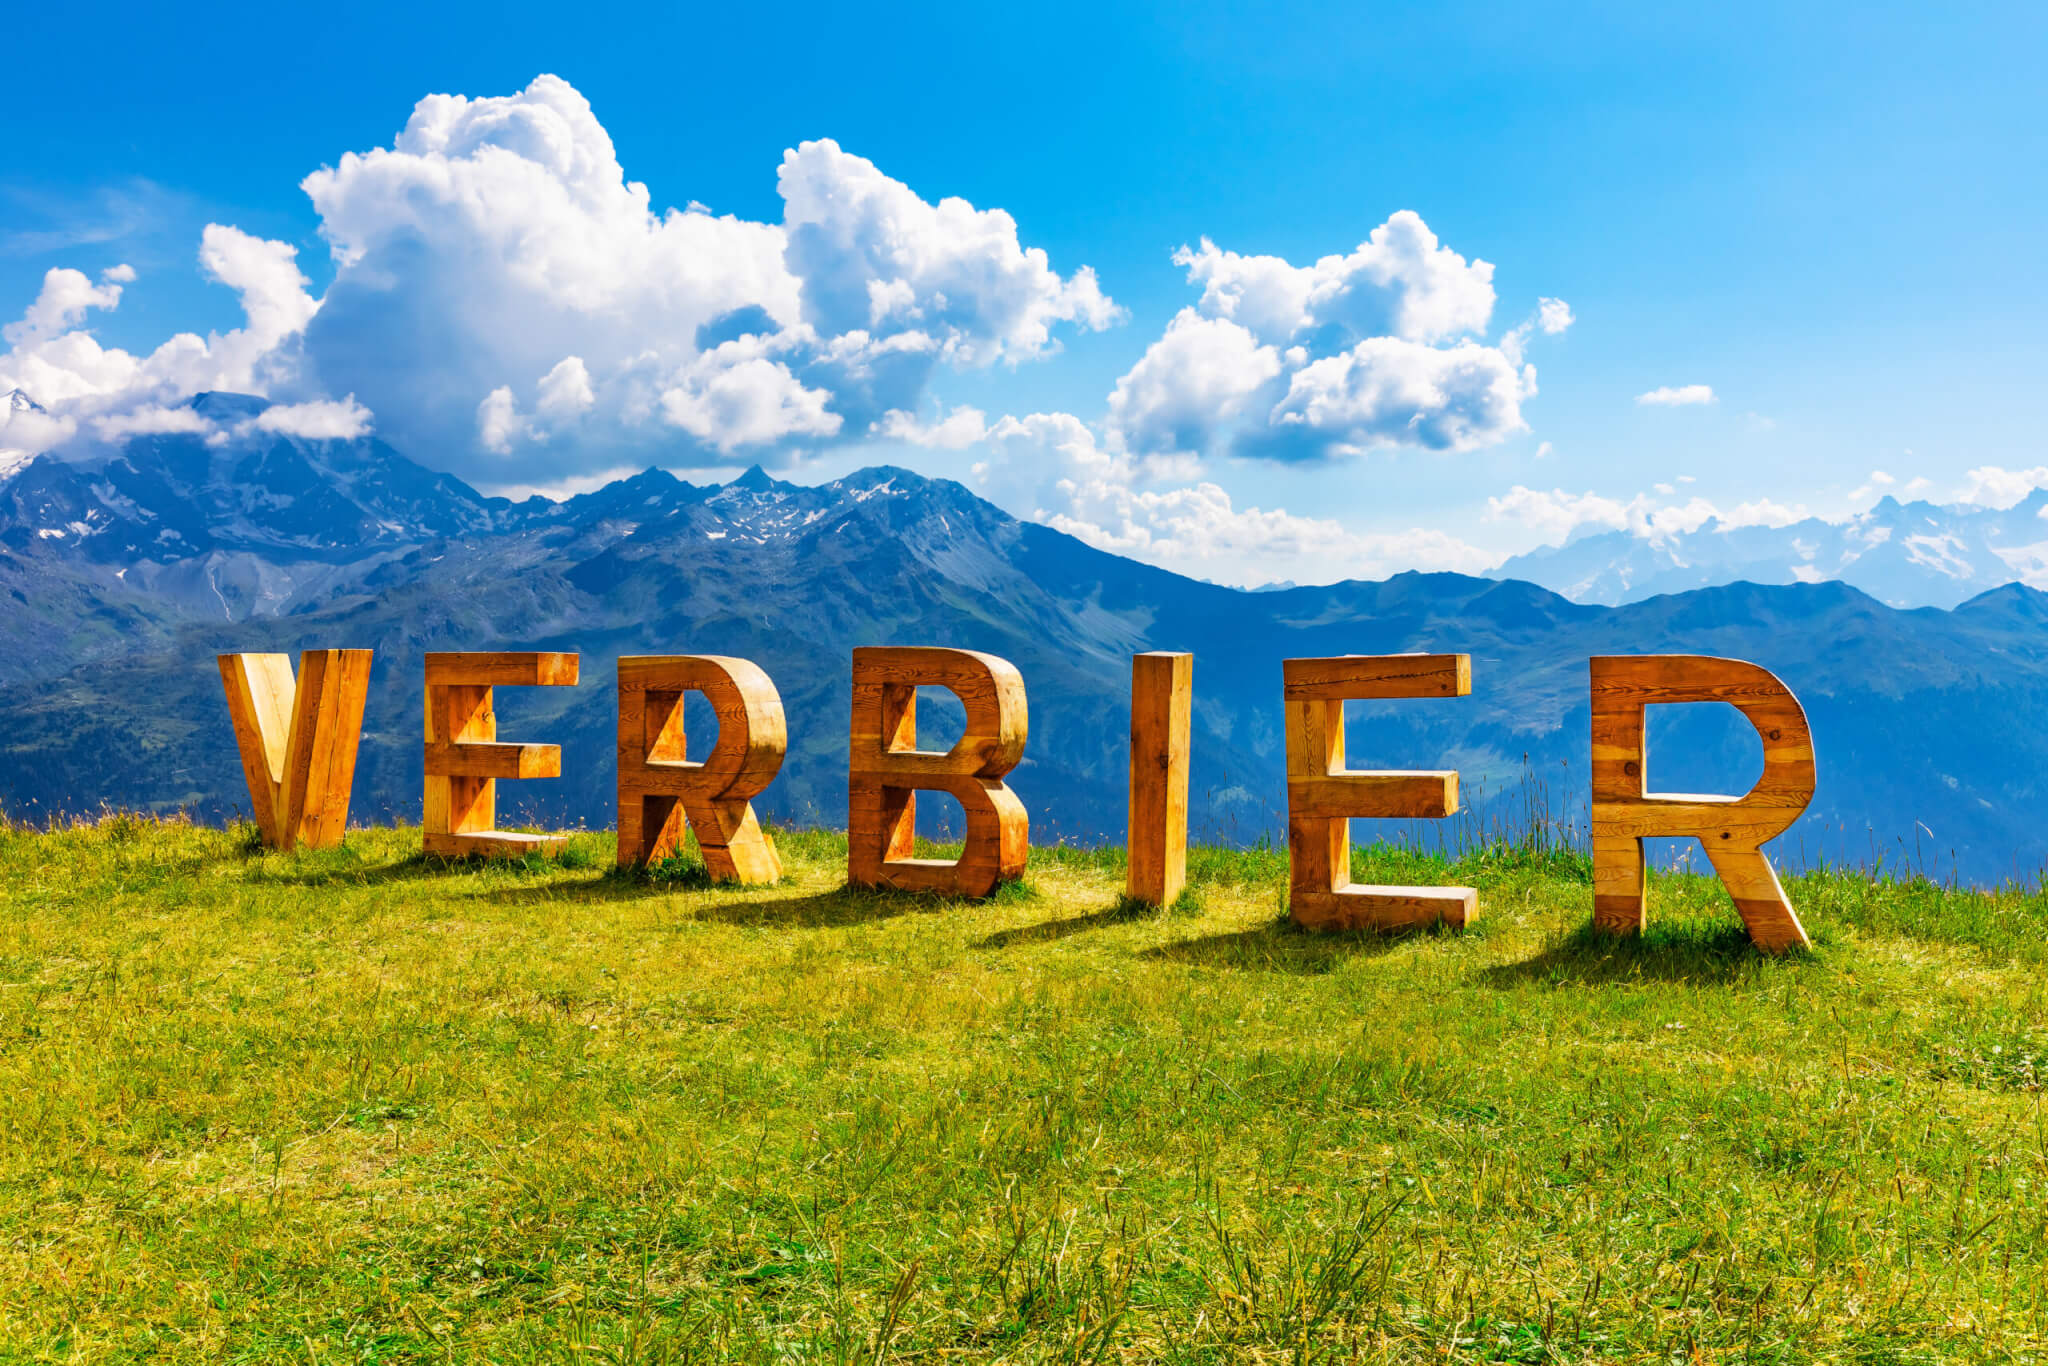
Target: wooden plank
<point>1733,829</point>
<point>1398,794</point>
<point>1323,794</point>
<point>320,759</point>
<point>1162,697</point>
<point>494,844</point>
<point>1341,677</point>
<point>1387,909</point>
<point>493,668</point>
<point>492,759</point>
<point>259,694</point>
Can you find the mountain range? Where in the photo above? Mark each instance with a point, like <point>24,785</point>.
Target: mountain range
<point>1912,554</point>
<point>122,575</point>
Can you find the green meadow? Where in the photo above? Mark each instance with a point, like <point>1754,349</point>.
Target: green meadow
<point>361,1106</point>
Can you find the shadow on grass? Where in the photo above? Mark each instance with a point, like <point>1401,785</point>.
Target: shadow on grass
<point>1695,951</point>
<point>612,886</point>
<point>1282,946</point>
<point>841,906</point>
<point>412,868</point>
<point>1123,911</point>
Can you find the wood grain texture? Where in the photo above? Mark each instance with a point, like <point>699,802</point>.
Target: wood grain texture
<point>661,791</point>
<point>1162,700</point>
<point>1323,795</point>
<point>463,759</point>
<point>1732,829</point>
<point>1339,678</point>
<point>298,740</point>
<point>886,770</point>
<point>495,668</point>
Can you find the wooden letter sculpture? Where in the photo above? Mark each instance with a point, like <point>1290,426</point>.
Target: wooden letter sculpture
<point>1731,828</point>
<point>464,758</point>
<point>298,741</point>
<point>886,770</point>
<point>1323,795</point>
<point>658,787</point>
<point>1162,691</point>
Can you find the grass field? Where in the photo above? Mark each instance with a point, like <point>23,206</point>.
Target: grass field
<point>362,1107</point>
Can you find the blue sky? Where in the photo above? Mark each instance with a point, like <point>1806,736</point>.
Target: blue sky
<point>1831,218</point>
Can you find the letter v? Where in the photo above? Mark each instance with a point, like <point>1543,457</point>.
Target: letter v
<point>298,742</point>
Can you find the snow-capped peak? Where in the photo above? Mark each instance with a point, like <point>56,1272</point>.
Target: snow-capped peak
<point>19,402</point>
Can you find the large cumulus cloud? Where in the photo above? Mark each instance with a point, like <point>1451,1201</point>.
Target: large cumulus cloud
<point>504,289</point>
<point>509,305</point>
<point>1373,348</point>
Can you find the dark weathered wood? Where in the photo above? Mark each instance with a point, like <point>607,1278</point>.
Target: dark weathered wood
<point>1733,829</point>
<point>1323,795</point>
<point>1162,697</point>
<point>885,769</point>
<point>660,789</point>
<point>463,759</point>
<point>298,740</point>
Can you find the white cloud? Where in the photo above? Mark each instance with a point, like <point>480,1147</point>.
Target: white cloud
<point>1189,383</point>
<point>65,297</point>
<point>565,390</point>
<point>152,420</point>
<point>497,237</point>
<point>958,430</point>
<point>1054,465</point>
<point>1399,282</point>
<point>1681,396</point>
<point>58,361</point>
<point>1386,391</point>
<point>1199,530</point>
<point>1764,512</point>
<point>730,399</point>
<point>507,299</point>
<point>1375,348</point>
<point>1555,515</point>
<point>1993,486</point>
<point>316,420</point>
<point>872,256</point>
<point>497,421</point>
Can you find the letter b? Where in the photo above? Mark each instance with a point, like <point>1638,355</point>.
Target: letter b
<point>886,770</point>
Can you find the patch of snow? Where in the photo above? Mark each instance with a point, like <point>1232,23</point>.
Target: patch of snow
<point>1942,554</point>
<point>2028,562</point>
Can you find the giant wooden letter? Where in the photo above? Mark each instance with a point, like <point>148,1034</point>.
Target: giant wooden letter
<point>1162,688</point>
<point>886,770</point>
<point>298,741</point>
<point>464,758</point>
<point>1733,829</point>
<point>658,787</point>
<point>1323,795</point>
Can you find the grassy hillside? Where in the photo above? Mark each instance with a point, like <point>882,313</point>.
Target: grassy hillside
<point>363,1107</point>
